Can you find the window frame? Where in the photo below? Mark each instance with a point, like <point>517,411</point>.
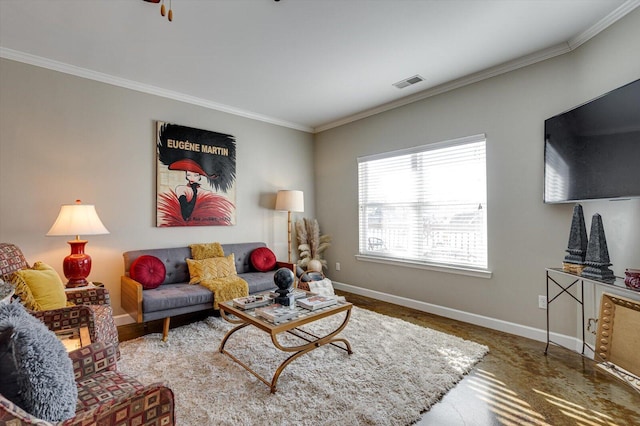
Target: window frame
<point>367,254</point>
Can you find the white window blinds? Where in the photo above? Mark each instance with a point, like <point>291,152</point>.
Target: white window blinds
<point>426,204</point>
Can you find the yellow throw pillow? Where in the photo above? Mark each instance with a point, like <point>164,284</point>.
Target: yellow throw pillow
<point>45,286</point>
<point>211,268</point>
<point>23,292</point>
<point>226,266</point>
<point>201,269</point>
<point>206,251</point>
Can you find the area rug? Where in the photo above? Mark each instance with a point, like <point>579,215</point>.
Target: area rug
<point>397,371</point>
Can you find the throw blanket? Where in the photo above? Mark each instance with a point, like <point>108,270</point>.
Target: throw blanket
<point>226,288</point>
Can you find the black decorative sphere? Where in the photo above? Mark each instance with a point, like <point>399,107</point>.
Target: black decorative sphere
<point>284,278</point>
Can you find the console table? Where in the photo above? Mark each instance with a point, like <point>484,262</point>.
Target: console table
<point>556,288</point>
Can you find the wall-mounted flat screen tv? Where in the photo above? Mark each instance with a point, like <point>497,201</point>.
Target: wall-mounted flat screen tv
<point>593,151</point>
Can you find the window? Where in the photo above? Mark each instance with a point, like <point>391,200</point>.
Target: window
<point>426,205</point>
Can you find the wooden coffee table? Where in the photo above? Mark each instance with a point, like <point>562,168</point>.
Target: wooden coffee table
<point>248,317</point>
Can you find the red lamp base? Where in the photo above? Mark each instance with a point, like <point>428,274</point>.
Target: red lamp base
<point>77,265</point>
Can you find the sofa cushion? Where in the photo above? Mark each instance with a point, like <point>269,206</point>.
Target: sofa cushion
<point>174,259</point>
<point>102,386</point>
<point>45,286</point>
<point>44,370</point>
<point>211,268</point>
<point>263,259</point>
<point>205,251</point>
<point>259,281</point>
<point>148,271</point>
<point>242,253</point>
<point>175,296</point>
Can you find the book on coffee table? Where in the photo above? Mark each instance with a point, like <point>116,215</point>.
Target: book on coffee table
<point>276,313</point>
<point>250,302</point>
<point>316,302</point>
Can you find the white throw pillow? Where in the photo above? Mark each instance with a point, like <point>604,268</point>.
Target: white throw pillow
<point>322,287</point>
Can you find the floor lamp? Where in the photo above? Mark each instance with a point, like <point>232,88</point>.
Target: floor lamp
<point>289,201</point>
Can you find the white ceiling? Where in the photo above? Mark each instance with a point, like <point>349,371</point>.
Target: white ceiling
<point>305,64</point>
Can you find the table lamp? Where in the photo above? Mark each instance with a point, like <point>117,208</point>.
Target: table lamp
<point>290,201</point>
<point>77,219</point>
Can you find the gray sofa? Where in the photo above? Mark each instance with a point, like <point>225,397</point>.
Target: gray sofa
<point>175,296</point>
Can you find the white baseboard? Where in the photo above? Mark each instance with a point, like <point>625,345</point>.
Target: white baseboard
<point>483,321</point>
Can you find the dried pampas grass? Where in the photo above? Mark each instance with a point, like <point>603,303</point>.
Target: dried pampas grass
<point>311,244</point>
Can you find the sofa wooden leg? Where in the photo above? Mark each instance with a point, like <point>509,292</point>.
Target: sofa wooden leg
<point>165,329</point>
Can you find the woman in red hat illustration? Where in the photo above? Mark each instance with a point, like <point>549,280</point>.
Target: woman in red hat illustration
<point>187,194</point>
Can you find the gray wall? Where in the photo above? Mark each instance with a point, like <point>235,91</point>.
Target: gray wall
<point>525,235</point>
<point>64,138</point>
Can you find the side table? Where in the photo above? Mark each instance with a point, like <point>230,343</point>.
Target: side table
<point>93,284</point>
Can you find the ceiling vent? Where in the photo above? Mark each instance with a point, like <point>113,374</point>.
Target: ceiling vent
<point>408,81</point>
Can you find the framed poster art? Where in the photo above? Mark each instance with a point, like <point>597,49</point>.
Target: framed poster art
<point>196,177</point>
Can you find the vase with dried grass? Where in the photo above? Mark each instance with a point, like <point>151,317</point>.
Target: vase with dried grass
<point>311,245</point>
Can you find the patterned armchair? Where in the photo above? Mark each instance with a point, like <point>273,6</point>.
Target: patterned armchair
<point>105,396</point>
<point>92,306</point>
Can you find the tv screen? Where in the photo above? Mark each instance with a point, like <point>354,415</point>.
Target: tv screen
<point>593,151</point>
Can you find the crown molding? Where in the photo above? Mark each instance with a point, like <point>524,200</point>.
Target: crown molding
<point>539,56</point>
<point>506,67</point>
<point>603,24</point>
<point>531,59</point>
<point>141,87</point>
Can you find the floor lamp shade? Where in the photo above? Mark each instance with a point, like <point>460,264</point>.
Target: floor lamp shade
<point>290,201</point>
<point>77,219</point>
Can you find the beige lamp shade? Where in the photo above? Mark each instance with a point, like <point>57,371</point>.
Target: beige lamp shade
<point>290,201</point>
<point>77,219</point>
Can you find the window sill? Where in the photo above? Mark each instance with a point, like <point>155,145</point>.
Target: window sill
<point>480,273</point>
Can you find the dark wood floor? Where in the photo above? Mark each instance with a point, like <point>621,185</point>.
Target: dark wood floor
<point>515,384</point>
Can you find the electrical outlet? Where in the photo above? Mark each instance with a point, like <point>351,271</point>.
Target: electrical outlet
<point>542,302</point>
<point>337,266</point>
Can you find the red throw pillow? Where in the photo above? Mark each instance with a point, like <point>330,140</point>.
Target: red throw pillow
<point>148,271</point>
<point>263,259</point>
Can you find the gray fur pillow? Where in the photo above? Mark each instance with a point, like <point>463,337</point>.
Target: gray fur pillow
<point>8,370</point>
<point>44,375</point>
